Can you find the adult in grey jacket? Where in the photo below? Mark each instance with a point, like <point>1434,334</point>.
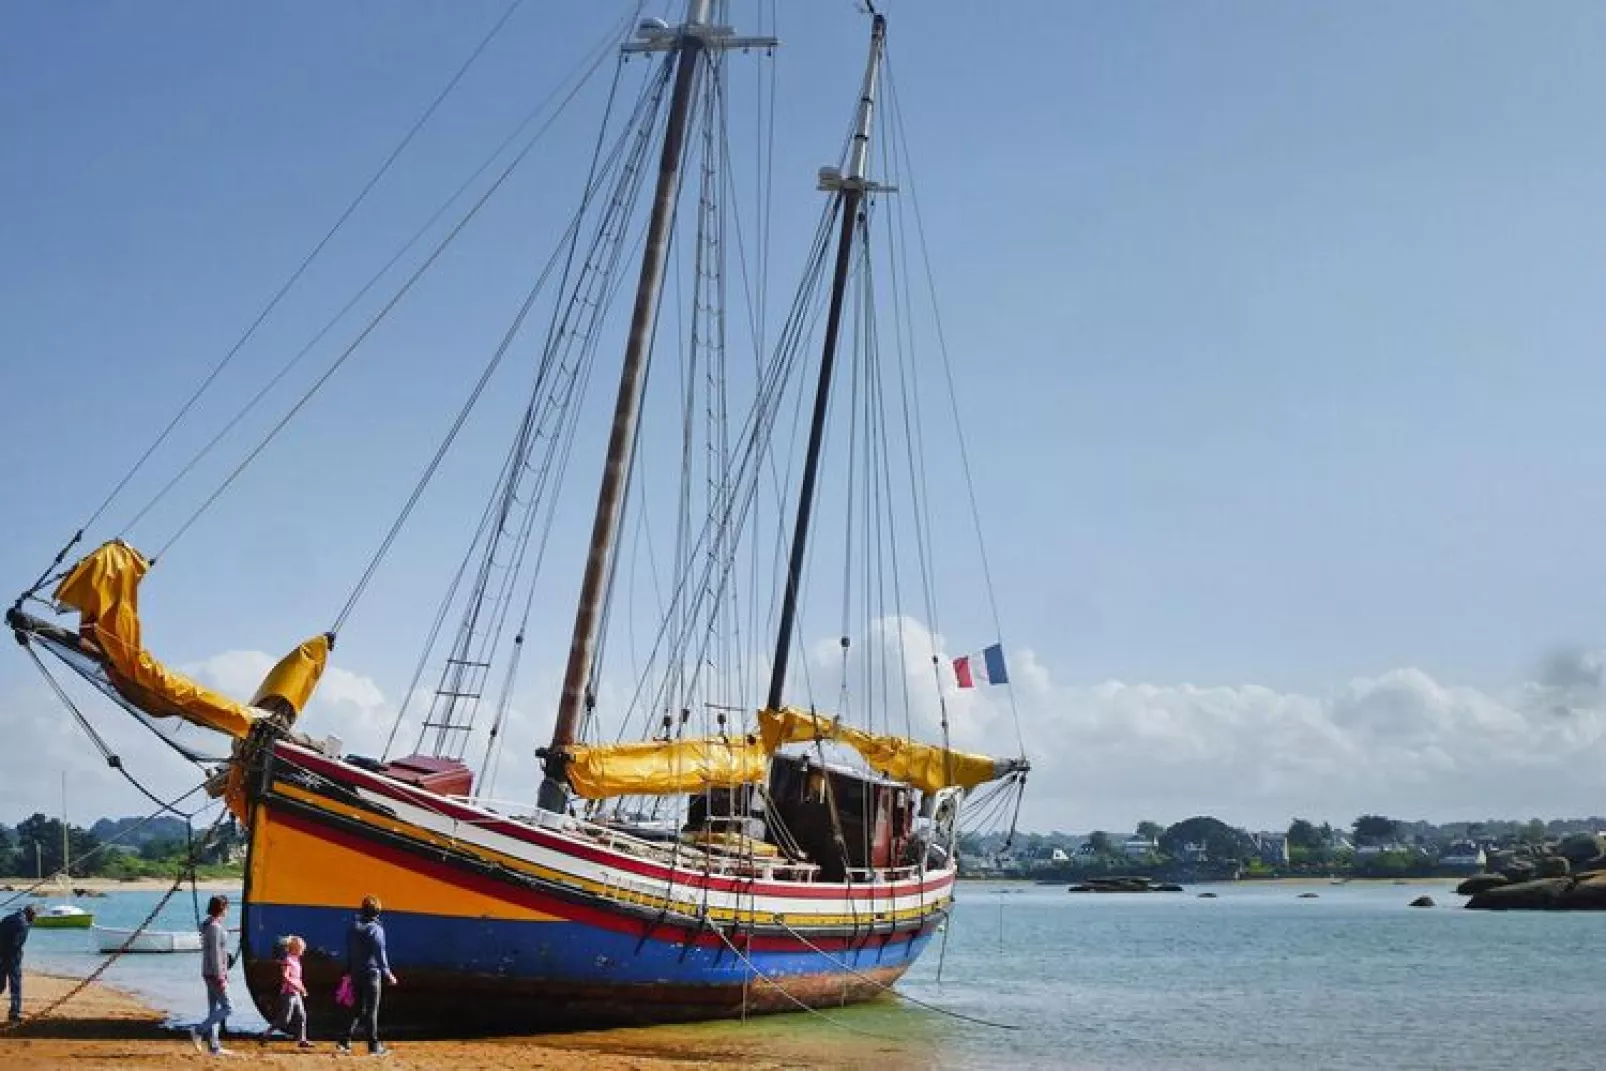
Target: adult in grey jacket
<point>367,963</point>
<point>13,935</point>
<point>215,965</point>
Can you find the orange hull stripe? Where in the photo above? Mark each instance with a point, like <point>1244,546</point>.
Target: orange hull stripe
<point>290,866</point>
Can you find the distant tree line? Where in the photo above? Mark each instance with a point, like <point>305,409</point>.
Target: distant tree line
<point>111,848</point>
<point>1373,844</point>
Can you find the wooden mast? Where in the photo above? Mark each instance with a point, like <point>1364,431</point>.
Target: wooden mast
<point>851,184</point>
<point>688,42</point>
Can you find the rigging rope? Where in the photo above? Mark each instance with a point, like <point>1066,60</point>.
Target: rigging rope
<point>187,870</point>
<point>895,992</point>
<point>803,1005</point>
<point>379,316</point>
<point>301,269</point>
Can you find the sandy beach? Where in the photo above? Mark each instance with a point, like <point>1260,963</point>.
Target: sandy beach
<point>113,885</point>
<point>103,1027</point>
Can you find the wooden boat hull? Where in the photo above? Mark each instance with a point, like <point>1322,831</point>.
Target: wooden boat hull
<point>498,926</point>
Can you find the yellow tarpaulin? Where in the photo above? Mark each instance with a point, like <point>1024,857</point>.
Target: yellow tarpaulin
<point>292,681</point>
<point>924,766</point>
<point>657,767</point>
<point>104,589</point>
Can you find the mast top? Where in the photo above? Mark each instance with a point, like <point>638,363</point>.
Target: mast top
<point>656,35</point>
<point>832,178</point>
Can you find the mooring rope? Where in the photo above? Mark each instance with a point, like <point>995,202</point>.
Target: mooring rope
<point>188,870</point>
<point>887,988</point>
<point>804,1005</point>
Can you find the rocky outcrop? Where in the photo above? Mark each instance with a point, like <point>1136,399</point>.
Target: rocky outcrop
<point>1478,883</point>
<point>1124,885</point>
<point>1554,866</point>
<point>1423,901</point>
<point>1581,848</point>
<point>1543,894</point>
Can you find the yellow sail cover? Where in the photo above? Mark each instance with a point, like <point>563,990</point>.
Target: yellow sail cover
<point>657,768</point>
<point>104,589</point>
<point>924,766</point>
<point>662,767</point>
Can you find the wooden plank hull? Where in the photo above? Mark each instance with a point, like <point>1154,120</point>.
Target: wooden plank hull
<point>496,926</point>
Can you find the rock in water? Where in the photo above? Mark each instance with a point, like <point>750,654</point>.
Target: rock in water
<point>1588,894</point>
<point>1207,896</point>
<point>1478,883</point>
<point>1423,901</point>
<point>1307,896</point>
<point>1542,895</point>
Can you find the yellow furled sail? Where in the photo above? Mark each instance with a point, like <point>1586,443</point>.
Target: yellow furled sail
<point>659,768</point>
<point>292,681</point>
<point>104,589</point>
<point>924,766</point>
<point>662,767</point>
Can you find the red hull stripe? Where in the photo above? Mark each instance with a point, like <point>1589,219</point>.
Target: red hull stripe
<point>446,808</point>
<point>551,905</point>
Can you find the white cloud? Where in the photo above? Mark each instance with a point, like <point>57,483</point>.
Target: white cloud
<point>1104,755</point>
<point>346,704</point>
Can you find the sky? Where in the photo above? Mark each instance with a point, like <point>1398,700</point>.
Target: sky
<point>1276,328</point>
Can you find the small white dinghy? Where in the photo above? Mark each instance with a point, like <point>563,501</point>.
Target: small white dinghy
<point>111,939</point>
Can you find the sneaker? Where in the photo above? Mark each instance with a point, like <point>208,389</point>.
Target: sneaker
<point>305,1044</point>
<point>378,1050</point>
<point>195,1039</point>
<point>343,1046</point>
<point>221,1051</point>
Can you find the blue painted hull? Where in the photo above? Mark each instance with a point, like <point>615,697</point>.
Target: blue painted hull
<point>464,975</point>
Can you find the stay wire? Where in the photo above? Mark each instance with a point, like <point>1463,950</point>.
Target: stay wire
<point>953,394</point>
<point>373,280</point>
<point>368,329</point>
<point>306,262</point>
<point>112,758</point>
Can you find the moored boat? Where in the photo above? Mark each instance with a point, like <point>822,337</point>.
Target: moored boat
<point>64,917</point>
<point>113,939</point>
<point>738,853</point>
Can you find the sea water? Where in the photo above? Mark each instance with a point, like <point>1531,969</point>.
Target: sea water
<point>1257,978</point>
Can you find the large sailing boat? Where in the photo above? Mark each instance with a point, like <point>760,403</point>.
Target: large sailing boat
<point>785,857</point>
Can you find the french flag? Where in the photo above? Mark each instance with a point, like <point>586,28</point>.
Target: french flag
<point>985,668</point>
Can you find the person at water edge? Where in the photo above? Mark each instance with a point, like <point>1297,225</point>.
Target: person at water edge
<point>292,1017</point>
<point>367,965</point>
<point>13,935</point>
<point>215,965</point>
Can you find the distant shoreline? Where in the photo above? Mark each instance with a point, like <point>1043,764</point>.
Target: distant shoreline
<point>1275,882</point>
<point>55,891</point>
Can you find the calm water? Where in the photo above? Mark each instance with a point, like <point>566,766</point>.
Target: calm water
<point>1254,979</point>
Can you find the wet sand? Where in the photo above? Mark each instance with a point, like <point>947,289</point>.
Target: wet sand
<point>104,1028</point>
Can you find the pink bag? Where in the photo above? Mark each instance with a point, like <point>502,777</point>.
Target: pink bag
<point>345,992</point>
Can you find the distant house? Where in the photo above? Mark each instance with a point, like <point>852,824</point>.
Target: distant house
<point>1138,847</point>
<point>1272,848</point>
<point>1340,842</point>
<point>1463,855</point>
<point>1367,851</point>
<point>1196,852</point>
